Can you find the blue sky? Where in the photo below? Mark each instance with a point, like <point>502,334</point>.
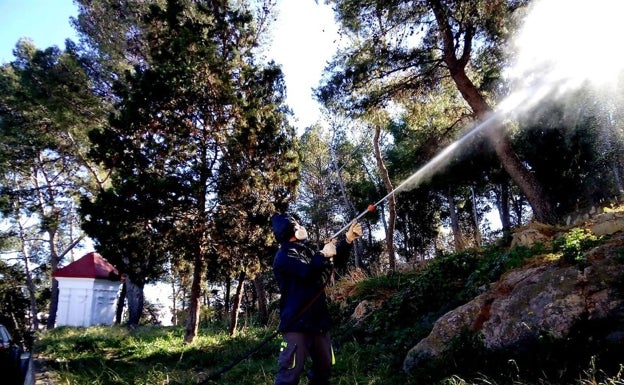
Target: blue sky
<point>45,22</point>
<point>305,37</point>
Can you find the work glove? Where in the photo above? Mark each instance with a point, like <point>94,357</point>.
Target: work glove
<point>354,232</point>
<point>329,250</point>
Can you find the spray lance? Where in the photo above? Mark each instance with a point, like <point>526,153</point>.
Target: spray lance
<point>369,209</point>
<point>423,173</point>
<point>407,184</point>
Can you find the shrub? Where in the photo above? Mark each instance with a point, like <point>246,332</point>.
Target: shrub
<point>573,245</point>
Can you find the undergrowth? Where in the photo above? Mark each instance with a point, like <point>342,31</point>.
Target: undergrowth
<point>370,350</point>
<point>151,355</point>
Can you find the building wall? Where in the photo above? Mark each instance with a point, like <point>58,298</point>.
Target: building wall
<point>86,301</point>
<point>104,302</point>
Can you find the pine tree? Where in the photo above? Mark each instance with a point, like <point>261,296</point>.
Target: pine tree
<point>404,50</point>
<point>199,149</point>
<point>47,106</point>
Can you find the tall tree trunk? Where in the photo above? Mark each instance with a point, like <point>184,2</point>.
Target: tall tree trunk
<point>436,249</point>
<point>263,313</point>
<point>475,217</point>
<point>391,199</point>
<point>516,205</point>
<point>174,304</point>
<point>499,139</point>
<point>607,134</point>
<point>121,300</point>
<point>30,285</point>
<point>200,238</point>
<point>458,239</point>
<point>134,296</point>
<point>350,208</point>
<point>192,324</point>
<point>237,301</point>
<point>226,298</point>
<point>503,211</point>
<point>616,177</point>
<point>55,259</point>
<point>526,181</point>
<point>54,294</point>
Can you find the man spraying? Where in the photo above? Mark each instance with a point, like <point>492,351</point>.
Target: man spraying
<point>301,275</point>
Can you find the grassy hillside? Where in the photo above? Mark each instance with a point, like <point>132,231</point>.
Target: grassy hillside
<point>394,312</point>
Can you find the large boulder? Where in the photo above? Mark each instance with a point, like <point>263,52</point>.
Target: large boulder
<point>543,299</point>
<point>533,233</point>
<point>607,223</point>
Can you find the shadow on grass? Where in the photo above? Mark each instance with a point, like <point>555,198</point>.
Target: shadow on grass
<point>154,355</point>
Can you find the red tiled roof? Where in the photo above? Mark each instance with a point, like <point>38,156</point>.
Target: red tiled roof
<point>91,265</point>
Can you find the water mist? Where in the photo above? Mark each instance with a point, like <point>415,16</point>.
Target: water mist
<point>561,46</point>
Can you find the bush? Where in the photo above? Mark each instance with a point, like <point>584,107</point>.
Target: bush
<point>573,245</point>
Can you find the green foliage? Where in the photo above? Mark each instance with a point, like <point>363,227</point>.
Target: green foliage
<point>13,303</point>
<point>418,298</point>
<point>157,355</point>
<point>573,245</point>
<point>412,301</point>
<point>47,106</point>
<point>461,358</point>
<point>193,122</point>
<point>496,261</point>
<point>564,141</point>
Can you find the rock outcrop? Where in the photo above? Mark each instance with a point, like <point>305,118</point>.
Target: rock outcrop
<point>542,299</point>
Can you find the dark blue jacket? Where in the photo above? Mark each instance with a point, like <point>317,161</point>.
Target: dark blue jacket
<point>301,275</point>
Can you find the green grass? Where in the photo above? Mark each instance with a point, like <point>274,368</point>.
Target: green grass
<point>150,355</point>
<point>156,355</point>
<point>369,352</point>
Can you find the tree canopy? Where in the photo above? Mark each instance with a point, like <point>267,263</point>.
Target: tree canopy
<point>164,135</point>
<point>201,117</point>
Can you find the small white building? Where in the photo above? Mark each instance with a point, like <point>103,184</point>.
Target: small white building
<point>88,291</point>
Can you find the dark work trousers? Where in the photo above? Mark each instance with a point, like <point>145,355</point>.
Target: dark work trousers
<point>296,347</point>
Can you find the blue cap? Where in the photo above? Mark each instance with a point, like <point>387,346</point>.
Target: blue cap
<point>283,227</point>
